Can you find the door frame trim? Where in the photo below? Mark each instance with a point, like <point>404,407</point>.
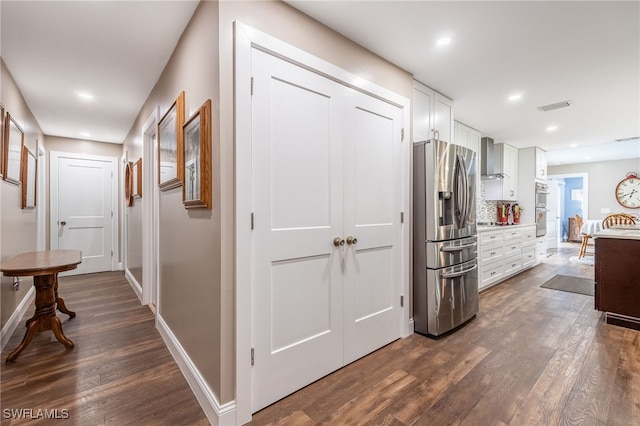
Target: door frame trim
<point>246,38</point>
<point>150,263</point>
<point>54,156</point>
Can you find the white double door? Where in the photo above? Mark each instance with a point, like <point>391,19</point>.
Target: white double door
<point>326,165</point>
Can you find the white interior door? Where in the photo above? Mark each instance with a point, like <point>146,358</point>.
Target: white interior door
<point>297,329</point>
<point>83,213</point>
<point>372,216</point>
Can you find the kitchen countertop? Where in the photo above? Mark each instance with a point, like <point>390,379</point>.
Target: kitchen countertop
<point>484,228</point>
<point>631,232</point>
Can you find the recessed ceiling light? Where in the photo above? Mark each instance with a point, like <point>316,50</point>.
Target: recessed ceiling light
<point>85,96</point>
<point>85,134</point>
<point>552,128</point>
<point>573,145</point>
<point>443,41</point>
<point>515,97</point>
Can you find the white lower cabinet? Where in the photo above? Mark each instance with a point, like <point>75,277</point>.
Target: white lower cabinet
<point>506,252</point>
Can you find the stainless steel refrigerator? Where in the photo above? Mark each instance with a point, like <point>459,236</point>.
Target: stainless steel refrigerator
<point>445,269</point>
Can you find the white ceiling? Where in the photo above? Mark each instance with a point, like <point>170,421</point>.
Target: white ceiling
<point>114,50</point>
<point>584,51</point>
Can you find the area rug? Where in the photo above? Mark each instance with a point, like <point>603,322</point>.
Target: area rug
<point>587,260</point>
<point>570,284</point>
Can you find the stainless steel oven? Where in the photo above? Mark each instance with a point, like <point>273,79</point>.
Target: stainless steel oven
<point>541,209</point>
<point>541,221</point>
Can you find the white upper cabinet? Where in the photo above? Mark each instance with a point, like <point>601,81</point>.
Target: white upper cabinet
<point>541,164</point>
<point>505,159</point>
<point>467,137</point>
<point>432,112</point>
<point>443,117</point>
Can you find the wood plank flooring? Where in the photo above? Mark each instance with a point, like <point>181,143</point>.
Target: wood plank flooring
<point>119,373</point>
<point>532,356</point>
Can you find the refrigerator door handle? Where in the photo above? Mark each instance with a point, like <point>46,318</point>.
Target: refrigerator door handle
<point>459,274</point>
<point>457,248</point>
<point>460,185</point>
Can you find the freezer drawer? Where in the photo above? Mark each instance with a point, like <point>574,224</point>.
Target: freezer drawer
<point>453,252</point>
<point>448,299</point>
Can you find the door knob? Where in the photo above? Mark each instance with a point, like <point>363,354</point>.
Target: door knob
<point>352,240</point>
<point>63,223</point>
<point>337,241</point>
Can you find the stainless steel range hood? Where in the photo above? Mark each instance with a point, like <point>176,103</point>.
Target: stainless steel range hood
<point>486,164</point>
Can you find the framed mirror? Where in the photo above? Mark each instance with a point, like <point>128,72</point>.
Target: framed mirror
<point>14,141</point>
<point>2,132</point>
<point>170,145</point>
<point>29,175</point>
<point>196,189</point>
<point>137,179</point>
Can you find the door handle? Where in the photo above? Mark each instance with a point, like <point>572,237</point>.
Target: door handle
<point>63,223</point>
<point>352,240</point>
<point>337,241</point>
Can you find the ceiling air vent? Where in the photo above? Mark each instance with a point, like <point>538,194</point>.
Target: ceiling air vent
<point>557,105</point>
<point>635,138</point>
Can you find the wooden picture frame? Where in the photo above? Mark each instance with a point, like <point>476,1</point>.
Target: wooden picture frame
<point>2,132</point>
<point>29,172</point>
<point>170,146</point>
<point>196,188</point>
<point>128,184</point>
<point>12,152</point>
<point>137,179</point>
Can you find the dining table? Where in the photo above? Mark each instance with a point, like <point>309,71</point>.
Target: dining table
<point>44,267</point>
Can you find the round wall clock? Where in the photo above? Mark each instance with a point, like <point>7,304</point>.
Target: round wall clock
<point>628,191</point>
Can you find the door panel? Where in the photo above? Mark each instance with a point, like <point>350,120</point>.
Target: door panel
<point>372,215</point>
<point>297,196</point>
<point>83,217</point>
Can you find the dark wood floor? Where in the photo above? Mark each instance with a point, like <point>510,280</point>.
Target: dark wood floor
<point>119,373</point>
<point>532,356</point>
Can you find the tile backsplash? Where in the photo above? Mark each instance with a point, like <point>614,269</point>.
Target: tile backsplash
<point>487,211</point>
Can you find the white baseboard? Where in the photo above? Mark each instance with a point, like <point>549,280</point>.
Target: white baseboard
<point>135,285</point>
<point>15,317</point>
<point>217,414</point>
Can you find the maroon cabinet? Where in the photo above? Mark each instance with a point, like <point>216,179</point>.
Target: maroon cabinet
<point>618,279</point>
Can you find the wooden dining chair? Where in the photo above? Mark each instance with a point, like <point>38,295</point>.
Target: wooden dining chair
<point>618,219</point>
<point>585,239</point>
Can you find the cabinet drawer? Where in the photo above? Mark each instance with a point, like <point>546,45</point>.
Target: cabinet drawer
<point>511,247</point>
<point>528,236</point>
<point>490,236</point>
<point>528,256</point>
<point>512,234</point>
<point>490,274</point>
<point>491,252</point>
<point>512,264</point>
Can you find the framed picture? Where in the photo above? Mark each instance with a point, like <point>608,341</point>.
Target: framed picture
<point>1,140</point>
<point>14,141</point>
<point>170,146</point>
<point>196,189</point>
<point>137,179</point>
<point>128,184</point>
<point>29,174</point>
<point>577,195</point>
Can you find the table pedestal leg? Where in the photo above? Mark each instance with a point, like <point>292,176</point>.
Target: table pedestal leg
<point>45,316</point>
<point>62,307</point>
